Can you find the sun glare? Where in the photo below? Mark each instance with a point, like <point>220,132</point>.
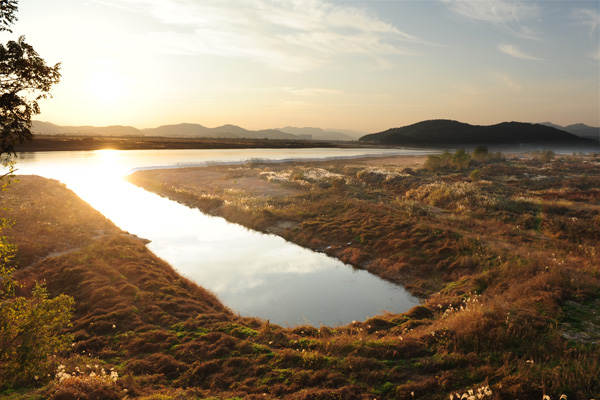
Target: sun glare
<point>106,85</point>
<point>110,163</point>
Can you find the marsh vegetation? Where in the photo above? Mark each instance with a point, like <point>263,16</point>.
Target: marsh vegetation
<point>507,264</point>
<point>522,235</point>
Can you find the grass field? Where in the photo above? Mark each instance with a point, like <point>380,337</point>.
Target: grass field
<point>507,263</point>
<point>519,236</point>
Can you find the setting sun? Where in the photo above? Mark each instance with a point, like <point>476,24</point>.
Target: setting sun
<point>106,85</point>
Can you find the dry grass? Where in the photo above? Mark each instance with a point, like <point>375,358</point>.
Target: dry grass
<point>508,293</point>
<point>523,236</point>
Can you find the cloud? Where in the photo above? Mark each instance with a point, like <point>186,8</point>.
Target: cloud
<point>509,15</point>
<point>514,51</point>
<point>293,35</point>
<point>508,82</point>
<point>587,17</point>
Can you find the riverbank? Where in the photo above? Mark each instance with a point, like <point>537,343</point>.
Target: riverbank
<point>518,238</point>
<point>517,324</point>
<point>86,143</point>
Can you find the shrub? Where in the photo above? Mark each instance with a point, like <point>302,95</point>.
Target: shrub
<point>475,175</point>
<point>80,385</point>
<point>544,156</point>
<point>30,328</point>
<point>371,177</point>
<point>446,158</point>
<point>31,331</point>
<point>480,154</point>
<point>433,163</point>
<point>461,159</point>
<point>459,196</point>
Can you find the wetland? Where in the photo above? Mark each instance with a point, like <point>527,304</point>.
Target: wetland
<point>504,259</point>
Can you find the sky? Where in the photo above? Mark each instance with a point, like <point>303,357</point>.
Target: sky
<point>360,65</point>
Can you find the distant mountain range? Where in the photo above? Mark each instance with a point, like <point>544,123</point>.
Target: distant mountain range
<point>581,130</point>
<point>444,132</point>
<point>432,132</point>
<point>47,128</point>
<point>323,134</point>
<point>196,131</point>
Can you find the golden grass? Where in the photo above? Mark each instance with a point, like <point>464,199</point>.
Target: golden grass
<point>518,275</point>
<point>526,244</point>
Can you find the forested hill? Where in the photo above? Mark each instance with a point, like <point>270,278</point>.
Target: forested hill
<point>439,131</point>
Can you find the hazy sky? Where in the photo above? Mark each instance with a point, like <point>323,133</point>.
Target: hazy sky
<point>363,65</point>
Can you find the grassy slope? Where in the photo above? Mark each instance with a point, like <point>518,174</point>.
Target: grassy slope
<point>524,239</point>
<point>168,338</point>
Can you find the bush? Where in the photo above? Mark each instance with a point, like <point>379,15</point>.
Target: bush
<point>475,175</point>
<point>433,163</point>
<point>544,156</point>
<point>458,196</point>
<point>30,328</point>
<point>371,177</point>
<point>30,331</point>
<point>481,154</point>
<point>80,385</point>
<point>461,159</point>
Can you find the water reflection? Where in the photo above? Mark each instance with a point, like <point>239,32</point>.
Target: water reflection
<point>252,273</point>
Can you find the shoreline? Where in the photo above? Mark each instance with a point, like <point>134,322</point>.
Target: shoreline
<point>508,262</point>
<point>86,143</point>
<point>282,227</point>
<point>209,195</point>
<point>82,143</point>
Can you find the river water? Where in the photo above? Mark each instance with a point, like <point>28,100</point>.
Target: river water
<point>252,273</point>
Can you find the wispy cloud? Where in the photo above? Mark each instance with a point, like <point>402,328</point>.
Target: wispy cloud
<point>508,82</point>
<point>514,51</point>
<point>507,14</point>
<point>289,34</point>
<point>588,18</point>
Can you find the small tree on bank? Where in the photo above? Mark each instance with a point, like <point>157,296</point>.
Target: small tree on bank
<point>461,159</point>
<point>481,154</point>
<point>31,328</point>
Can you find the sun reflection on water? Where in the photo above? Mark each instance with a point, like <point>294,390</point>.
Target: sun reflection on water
<point>254,274</point>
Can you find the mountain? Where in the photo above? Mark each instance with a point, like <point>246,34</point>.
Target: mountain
<point>261,134</point>
<point>438,132</point>
<point>185,130</point>
<point>273,134</point>
<point>178,130</point>
<point>320,134</point>
<point>231,129</point>
<point>47,128</point>
<point>581,130</point>
<point>562,128</point>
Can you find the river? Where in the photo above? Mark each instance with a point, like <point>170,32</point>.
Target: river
<point>252,273</point>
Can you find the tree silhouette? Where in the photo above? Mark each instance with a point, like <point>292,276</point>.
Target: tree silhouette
<point>24,79</point>
<point>8,8</point>
<point>31,328</point>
